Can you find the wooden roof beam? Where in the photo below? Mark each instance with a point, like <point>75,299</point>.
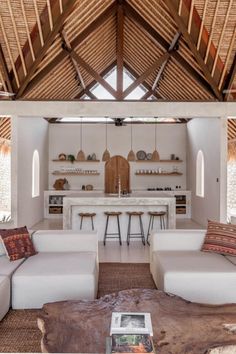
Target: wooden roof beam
<point>5,70</point>
<point>182,28</point>
<point>161,42</point>
<point>120,49</point>
<point>91,71</point>
<point>74,63</point>
<point>99,21</point>
<point>58,24</point>
<point>229,81</point>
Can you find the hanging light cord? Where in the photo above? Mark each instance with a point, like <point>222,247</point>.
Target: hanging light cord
<point>155,133</point>
<point>106,133</point>
<point>80,133</point>
<point>131,135</point>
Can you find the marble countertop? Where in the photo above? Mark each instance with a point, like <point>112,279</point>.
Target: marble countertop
<point>133,195</point>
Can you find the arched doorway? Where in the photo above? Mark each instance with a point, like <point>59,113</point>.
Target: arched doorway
<point>117,167</point>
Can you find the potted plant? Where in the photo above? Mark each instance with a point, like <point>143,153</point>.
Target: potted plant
<point>71,158</point>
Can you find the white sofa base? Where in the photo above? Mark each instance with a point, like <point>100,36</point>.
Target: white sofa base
<point>5,289</point>
<point>55,276</point>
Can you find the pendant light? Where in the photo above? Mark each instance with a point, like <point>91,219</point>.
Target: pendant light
<point>155,154</point>
<point>131,154</point>
<point>81,155</point>
<point>106,154</point>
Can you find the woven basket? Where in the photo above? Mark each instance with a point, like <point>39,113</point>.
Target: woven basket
<point>131,156</point>
<point>155,156</point>
<point>106,155</point>
<point>80,156</point>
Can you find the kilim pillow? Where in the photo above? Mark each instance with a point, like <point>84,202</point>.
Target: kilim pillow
<point>17,243</point>
<point>220,238</point>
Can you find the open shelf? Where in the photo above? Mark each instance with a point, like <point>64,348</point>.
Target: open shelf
<point>56,160</point>
<point>159,174</point>
<point>160,161</point>
<point>75,174</point>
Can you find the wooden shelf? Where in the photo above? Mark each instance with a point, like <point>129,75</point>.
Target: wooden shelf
<point>56,160</point>
<point>160,161</point>
<point>159,174</point>
<point>75,174</point>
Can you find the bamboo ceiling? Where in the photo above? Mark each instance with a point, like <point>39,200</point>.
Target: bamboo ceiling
<point>178,49</point>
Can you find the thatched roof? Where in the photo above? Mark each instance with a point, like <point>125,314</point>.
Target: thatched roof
<point>58,49</point>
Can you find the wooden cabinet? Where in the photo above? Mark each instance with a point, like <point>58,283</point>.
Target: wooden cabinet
<point>117,168</point>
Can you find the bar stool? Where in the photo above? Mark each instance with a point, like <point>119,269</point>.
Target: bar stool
<point>108,214</point>
<point>139,234</point>
<point>86,215</point>
<point>153,215</point>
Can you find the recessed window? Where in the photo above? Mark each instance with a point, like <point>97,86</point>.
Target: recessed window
<point>35,174</point>
<point>200,174</point>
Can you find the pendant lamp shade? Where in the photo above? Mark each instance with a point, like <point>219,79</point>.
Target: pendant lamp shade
<point>131,154</point>
<point>106,154</point>
<point>80,155</point>
<point>155,154</point>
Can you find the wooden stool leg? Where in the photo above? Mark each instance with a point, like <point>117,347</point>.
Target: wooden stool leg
<point>92,222</point>
<point>141,229</point>
<point>105,234</point>
<point>118,223</point>
<point>148,233</point>
<point>81,222</point>
<point>152,221</point>
<point>128,231</point>
<point>164,226</point>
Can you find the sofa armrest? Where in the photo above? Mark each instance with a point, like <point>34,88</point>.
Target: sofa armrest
<point>65,241</point>
<point>174,240</point>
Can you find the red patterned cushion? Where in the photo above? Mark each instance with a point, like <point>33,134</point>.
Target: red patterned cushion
<point>220,238</point>
<point>17,243</point>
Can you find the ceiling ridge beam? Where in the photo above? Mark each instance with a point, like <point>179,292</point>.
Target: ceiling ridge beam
<point>193,48</point>
<point>161,42</point>
<point>47,43</point>
<point>120,48</point>
<point>91,71</point>
<point>111,10</point>
<point>230,80</point>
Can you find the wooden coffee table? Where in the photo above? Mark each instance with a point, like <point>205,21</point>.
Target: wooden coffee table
<point>179,326</point>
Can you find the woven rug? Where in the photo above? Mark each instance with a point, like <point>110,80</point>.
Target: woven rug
<point>19,332</point>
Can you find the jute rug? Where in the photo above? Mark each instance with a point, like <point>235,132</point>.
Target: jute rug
<point>19,332</point>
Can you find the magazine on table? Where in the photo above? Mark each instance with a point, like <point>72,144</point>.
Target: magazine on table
<point>131,323</point>
<point>131,343</point>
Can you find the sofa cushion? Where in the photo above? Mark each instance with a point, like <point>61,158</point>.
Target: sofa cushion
<point>48,277</point>
<point>220,238</point>
<point>4,295</point>
<point>6,267</point>
<point>195,275</point>
<point>17,243</point>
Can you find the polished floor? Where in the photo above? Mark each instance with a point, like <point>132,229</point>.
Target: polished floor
<point>136,252</point>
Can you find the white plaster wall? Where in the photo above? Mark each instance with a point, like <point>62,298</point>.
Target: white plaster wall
<point>171,138</point>
<point>205,135</point>
<point>32,133</point>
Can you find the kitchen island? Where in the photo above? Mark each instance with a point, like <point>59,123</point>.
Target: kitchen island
<point>99,203</point>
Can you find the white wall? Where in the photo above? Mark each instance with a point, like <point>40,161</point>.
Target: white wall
<point>206,135</point>
<point>171,138</point>
<point>32,134</point>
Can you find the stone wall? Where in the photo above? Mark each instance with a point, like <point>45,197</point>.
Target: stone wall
<point>231,188</point>
<point>5,183</point>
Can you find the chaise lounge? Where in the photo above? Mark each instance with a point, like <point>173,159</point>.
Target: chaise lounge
<point>179,266</point>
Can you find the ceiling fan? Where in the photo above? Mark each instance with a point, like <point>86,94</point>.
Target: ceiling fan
<point>6,94</point>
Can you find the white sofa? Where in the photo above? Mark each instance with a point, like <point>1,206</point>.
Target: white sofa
<point>65,268</point>
<point>179,267</point>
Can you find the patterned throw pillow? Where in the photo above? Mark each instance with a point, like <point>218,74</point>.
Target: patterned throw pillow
<point>17,243</point>
<point>220,238</point>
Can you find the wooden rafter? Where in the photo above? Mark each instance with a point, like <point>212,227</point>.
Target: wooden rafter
<point>91,71</point>
<point>230,80</point>
<point>161,42</point>
<point>27,29</point>
<point>99,21</point>
<point>192,46</point>
<point>211,31</point>
<point>202,24</point>
<point>147,72</point>
<point>5,70</point>
<point>228,58</point>
<point>119,50</point>
<point>58,24</point>
<point>74,63</point>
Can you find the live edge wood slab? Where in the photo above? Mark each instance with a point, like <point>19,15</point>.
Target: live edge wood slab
<point>179,326</point>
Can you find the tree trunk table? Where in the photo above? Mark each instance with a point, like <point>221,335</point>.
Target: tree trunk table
<point>179,326</point>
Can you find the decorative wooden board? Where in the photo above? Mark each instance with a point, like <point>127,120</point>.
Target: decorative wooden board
<point>179,326</point>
